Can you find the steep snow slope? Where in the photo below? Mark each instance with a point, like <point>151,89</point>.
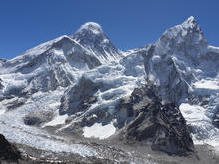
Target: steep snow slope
<point>46,67</point>
<point>186,69</point>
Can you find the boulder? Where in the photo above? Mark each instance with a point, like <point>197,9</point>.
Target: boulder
<point>38,117</point>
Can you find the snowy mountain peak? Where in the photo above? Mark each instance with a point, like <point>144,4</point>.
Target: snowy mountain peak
<point>93,27</point>
<point>191,20</point>
<point>188,35</point>
<point>180,56</point>
<point>192,24</point>
<point>91,36</point>
<point>91,32</point>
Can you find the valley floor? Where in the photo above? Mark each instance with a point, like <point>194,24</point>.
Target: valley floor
<point>117,152</point>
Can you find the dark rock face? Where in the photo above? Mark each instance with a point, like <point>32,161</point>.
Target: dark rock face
<point>1,85</point>
<point>216,120</point>
<point>1,89</point>
<point>79,98</point>
<point>2,61</point>
<point>32,121</point>
<point>161,125</point>
<point>38,117</point>
<point>8,151</point>
<point>15,103</point>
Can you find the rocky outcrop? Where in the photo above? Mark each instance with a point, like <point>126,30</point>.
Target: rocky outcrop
<point>2,61</point>
<point>79,97</point>
<point>1,85</point>
<point>38,117</point>
<point>160,124</point>
<point>216,117</point>
<point>8,151</point>
<point>14,103</point>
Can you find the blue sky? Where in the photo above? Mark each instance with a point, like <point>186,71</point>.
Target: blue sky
<point>129,23</point>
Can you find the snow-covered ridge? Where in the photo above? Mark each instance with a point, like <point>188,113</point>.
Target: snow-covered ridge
<point>213,49</point>
<point>58,62</point>
<point>40,48</point>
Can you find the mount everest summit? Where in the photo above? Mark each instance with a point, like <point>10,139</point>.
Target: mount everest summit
<point>81,87</point>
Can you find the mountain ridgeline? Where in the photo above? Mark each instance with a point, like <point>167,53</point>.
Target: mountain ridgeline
<point>164,94</point>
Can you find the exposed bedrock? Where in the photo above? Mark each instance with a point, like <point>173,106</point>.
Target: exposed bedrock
<point>79,97</point>
<point>8,151</point>
<point>38,117</point>
<point>160,124</point>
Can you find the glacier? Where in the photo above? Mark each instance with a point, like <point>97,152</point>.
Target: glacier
<point>181,64</point>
